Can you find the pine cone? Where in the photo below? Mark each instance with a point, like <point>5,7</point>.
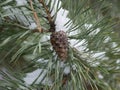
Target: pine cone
<point>59,42</point>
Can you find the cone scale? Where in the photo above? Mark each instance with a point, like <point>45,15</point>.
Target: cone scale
<point>59,43</point>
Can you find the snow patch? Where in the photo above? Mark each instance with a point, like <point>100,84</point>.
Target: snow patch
<point>30,77</point>
<point>32,26</point>
<point>61,20</point>
<point>67,70</point>
<point>21,2</point>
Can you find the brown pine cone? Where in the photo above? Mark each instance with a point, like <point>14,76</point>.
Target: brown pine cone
<point>59,42</point>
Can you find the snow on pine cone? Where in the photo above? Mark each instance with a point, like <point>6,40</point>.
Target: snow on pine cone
<point>59,42</point>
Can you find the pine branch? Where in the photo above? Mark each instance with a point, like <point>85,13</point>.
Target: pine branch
<point>84,67</point>
<point>36,17</point>
<point>49,17</point>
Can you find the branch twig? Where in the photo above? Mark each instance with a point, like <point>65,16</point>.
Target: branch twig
<point>36,17</point>
<point>49,17</point>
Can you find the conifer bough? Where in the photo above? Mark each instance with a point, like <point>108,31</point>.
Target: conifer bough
<point>59,42</point>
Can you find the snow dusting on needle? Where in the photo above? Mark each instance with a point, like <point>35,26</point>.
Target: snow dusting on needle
<point>61,19</point>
